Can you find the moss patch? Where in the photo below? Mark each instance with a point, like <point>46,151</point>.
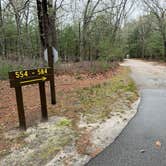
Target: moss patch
<point>64,122</point>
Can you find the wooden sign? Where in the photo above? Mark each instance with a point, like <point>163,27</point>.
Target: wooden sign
<point>27,77</point>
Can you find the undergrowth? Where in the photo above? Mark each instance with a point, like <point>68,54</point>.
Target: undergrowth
<point>5,68</point>
<point>96,103</point>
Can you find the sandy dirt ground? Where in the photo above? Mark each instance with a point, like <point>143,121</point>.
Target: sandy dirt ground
<point>147,74</point>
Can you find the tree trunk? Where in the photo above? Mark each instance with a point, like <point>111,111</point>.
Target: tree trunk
<point>79,40</point>
<point>40,20</point>
<point>43,24</point>
<point>29,47</point>
<point>83,44</point>
<point>165,50</point>
<point>52,21</point>
<point>19,38</point>
<point>2,42</point>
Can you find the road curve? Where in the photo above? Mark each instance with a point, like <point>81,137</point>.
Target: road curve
<point>147,75</point>
<point>138,145</point>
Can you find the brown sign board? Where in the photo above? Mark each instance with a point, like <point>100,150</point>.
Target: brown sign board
<point>27,77</point>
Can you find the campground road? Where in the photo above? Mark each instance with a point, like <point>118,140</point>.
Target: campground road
<point>147,75</point>
<point>136,145</point>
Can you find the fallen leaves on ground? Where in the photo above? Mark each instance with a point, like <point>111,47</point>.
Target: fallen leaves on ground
<point>65,85</point>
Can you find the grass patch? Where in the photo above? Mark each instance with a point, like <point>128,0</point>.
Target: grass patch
<point>48,149</point>
<point>64,123</point>
<point>52,148</point>
<point>98,101</point>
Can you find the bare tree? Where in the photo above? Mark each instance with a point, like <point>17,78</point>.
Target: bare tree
<point>116,10</point>
<point>144,28</point>
<point>19,8</point>
<point>158,9</point>
<point>90,10</point>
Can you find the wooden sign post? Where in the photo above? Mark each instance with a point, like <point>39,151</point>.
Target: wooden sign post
<point>27,77</point>
<point>52,81</point>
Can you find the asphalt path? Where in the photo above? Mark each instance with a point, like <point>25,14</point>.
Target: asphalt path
<point>143,141</point>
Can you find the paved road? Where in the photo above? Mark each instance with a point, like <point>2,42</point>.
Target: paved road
<point>148,126</point>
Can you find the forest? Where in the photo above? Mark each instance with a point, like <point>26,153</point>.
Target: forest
<point>81,30</point>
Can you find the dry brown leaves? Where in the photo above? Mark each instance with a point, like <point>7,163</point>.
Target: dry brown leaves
<point>64,85</point>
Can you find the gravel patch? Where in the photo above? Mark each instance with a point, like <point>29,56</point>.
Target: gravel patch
<point>102,134</point>
<point>41,143</point>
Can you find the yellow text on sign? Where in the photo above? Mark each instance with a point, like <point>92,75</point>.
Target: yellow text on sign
<point>21,74</point>
<point>42,71</point>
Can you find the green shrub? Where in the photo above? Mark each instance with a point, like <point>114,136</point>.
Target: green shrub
<point>5,68</point>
